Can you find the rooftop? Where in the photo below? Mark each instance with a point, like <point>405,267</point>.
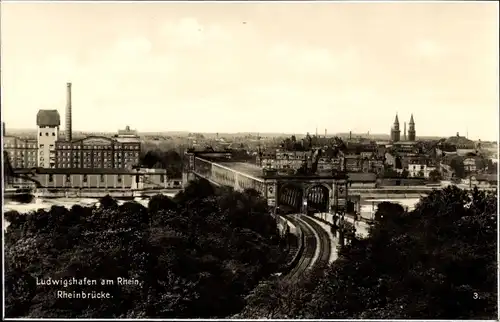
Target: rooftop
<point>48,118</point>
<point>90,171</point>
<point>257,172</point>
<point>362,176</point>
<point>405,143</point>
<point>127,132</point>
<point>487,177</point>
<point>459,141</point>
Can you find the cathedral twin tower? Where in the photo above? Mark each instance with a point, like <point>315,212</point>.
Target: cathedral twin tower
<point>396,133</point>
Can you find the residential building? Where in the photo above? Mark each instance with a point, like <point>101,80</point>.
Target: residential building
<point>353,163</point>
<point>405,147</point>
<point>470,165</point>
<point>420,169</point>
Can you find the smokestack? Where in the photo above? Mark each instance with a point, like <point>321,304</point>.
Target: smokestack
<point>3,129</point>
<point>350,135</point>
<point>68,113</point>
<point>325,133</point>
<point>405,131</point>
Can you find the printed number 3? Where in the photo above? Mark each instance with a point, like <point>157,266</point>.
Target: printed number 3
<point>476,296</point>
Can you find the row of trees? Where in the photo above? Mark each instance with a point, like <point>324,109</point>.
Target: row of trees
<point>438,261</point>
<point>195,256</point>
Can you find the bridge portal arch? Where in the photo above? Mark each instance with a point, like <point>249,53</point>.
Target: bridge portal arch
<point>290,196</point>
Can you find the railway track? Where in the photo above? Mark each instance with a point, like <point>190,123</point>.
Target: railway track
<point>315,239</point>
<point>326,244</point>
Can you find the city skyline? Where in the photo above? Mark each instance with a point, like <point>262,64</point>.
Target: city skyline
<point>251,68</point>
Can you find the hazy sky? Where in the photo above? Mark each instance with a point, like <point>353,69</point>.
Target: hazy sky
<point>268,67</point>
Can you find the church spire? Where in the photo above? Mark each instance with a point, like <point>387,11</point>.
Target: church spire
<point>396,120</point>
<point>411,131</point>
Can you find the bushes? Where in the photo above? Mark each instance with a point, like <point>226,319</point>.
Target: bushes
<point>435,262</point>
<point>192,257</point>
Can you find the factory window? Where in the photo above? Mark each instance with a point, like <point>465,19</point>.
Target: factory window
<point>162,178</point>
<point>46,133</point>
<point>119,178</point>
<point>102,177</point>
<point>40,133</point>
<point>85,178</point>
<point>68,178</point>
<point>41,146</point>
<point>53,134</point>
<point>51,178</point>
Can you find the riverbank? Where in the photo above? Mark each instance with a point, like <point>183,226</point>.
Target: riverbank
<point>47,203</point>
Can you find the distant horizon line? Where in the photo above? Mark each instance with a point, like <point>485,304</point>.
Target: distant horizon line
<point>354,134</point>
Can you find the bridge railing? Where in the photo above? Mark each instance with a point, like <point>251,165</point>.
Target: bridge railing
<point>203,167</point>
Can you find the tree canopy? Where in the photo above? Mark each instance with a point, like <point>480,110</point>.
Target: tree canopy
<point>438,261</point>
<point>170,160</point>
<point>195,256</point>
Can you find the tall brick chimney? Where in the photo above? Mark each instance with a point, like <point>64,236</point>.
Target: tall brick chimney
<point>68,112</point>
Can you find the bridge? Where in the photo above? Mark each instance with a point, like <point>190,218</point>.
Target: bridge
<point>20,176</point>
<point>302,193</point>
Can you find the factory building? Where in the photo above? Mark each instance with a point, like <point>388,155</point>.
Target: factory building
<point>102,178</point>
<point>49,150</point>
<point>97,152</point>
<point>22,152</point>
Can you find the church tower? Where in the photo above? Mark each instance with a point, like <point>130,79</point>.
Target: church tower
<point>395,132</point>
<point>411,130</point>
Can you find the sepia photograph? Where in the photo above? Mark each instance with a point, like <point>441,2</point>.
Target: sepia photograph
<point>245,160</point>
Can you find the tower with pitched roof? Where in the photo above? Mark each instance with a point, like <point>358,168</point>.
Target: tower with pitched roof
<point>395,131</point>
<point>411,131</point>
